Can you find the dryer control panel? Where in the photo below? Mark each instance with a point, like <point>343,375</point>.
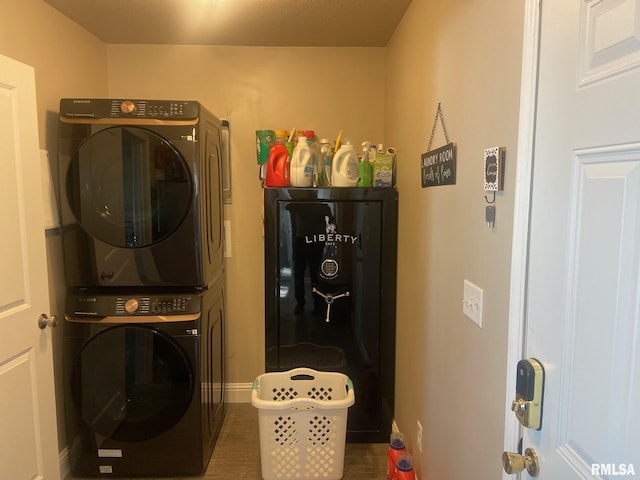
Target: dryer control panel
<point>124,305</point>
<point>124,108</point>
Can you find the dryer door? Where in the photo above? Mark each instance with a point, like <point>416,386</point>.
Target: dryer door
<point>128,187</point>
<point>130,383</point>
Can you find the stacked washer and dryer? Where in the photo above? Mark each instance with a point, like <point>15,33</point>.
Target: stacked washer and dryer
<point>142,232</point>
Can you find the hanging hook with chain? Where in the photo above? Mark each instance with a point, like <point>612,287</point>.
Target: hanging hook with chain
<point>439,115</point>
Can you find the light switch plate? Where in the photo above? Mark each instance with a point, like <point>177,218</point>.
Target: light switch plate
<point>472,302</point>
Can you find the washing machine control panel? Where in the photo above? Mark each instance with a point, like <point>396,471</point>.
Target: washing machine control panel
<point>125,108</point>
<point>110,305</point>
<point>165,305</point>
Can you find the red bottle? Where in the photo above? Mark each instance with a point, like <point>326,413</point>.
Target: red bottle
<point>396,449</point>
<point>278,166</point>
<point>404,468</point>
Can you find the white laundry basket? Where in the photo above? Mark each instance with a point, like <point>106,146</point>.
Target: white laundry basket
<point>303,423</point>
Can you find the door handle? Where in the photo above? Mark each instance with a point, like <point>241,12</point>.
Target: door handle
<point>514,462</point>
<point>44,321</point>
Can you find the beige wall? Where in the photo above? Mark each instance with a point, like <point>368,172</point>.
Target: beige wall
<point>451,374</point>
<point>324,89</point>
<point>68,61</point>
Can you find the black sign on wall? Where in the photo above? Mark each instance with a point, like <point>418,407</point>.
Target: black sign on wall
<point>439,166</point>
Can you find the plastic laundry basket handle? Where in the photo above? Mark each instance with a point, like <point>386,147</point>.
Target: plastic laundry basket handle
<point>302,376</point>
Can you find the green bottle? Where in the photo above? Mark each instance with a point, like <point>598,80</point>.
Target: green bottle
<point>365,173</point>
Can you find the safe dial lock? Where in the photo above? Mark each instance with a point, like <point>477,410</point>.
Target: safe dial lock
<point>329,268</point>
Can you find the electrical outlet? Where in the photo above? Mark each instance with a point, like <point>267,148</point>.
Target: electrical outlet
<point>419,436</point>
<point>472,302</point>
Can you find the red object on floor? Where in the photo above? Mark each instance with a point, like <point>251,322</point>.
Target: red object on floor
<point>404,468</point>
<point>396,449</point>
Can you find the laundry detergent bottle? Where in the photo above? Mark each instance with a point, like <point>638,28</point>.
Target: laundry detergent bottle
<point>396,449</point>
<point>278,166</point>
<point>404,468</point>
<point>344,168</point>
<point>302,164</point>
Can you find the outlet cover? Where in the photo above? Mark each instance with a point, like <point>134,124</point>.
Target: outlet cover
<point>472,302</point>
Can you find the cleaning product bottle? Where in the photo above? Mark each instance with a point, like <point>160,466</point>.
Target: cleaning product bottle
<point>290,143</point>
<point>396,448</point>
<point>278,166</point>
<point>315,153</point>
<point>323,164</point>
<point>302,164</point>
<point>344,168</point>
<point>281,136</point>
<point>365,168</point>
<point>392,151</point>
<point>372,153</point>
<point>338,141</point>
<point>404,468</point>
<point>383,168</point>
<point>310,135</point>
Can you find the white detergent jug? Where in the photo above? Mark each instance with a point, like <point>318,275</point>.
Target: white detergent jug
<point>301,169</point>
<point>344,169</point>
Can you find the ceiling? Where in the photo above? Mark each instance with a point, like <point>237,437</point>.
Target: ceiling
<point>333,23</point>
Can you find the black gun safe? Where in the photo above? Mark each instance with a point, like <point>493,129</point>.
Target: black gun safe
<point>330,292</point>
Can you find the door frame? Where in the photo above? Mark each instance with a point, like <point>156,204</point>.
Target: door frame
<point>521,217</point>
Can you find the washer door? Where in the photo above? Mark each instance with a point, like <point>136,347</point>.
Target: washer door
<point>130,383</point>
<point>128,187</point>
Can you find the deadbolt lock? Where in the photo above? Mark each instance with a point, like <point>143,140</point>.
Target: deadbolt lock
<point>514,462</point>
<point>529,389</point>
<point>526,412</point>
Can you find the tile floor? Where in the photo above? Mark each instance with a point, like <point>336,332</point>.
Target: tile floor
<point>237,452</point>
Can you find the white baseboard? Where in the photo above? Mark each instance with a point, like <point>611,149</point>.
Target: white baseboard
<point>237,392</point>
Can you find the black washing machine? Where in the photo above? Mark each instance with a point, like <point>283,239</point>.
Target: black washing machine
<point>140,186</point>
<point>144,382</point>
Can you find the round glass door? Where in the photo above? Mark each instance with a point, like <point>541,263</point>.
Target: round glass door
<point>131,383</point>
<point>128,187</point>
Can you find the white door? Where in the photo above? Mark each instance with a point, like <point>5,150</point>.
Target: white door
<point>583,297</point>
<point>28,438</point>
